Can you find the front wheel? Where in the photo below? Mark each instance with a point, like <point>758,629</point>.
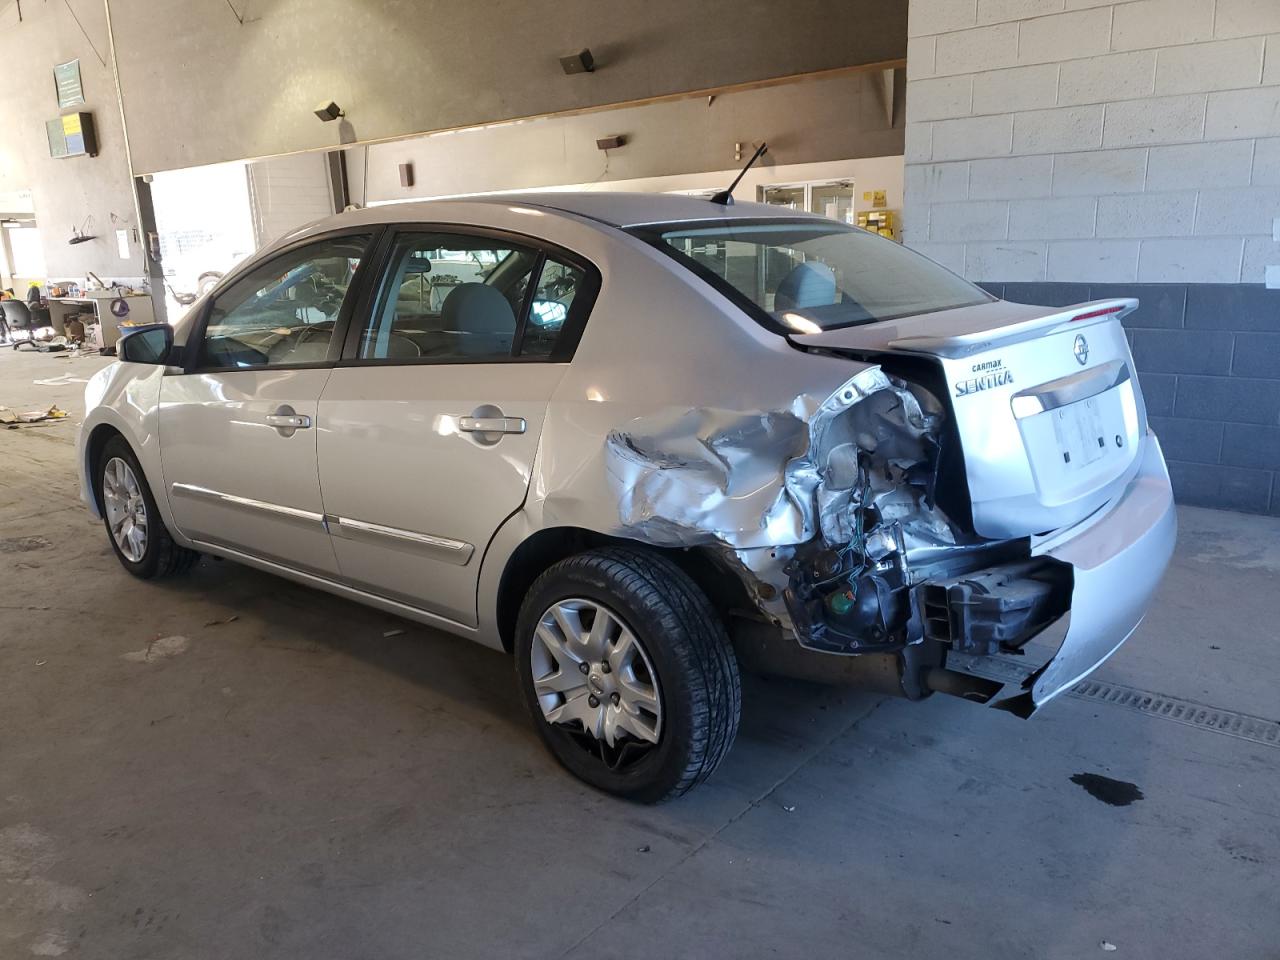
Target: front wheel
<point>628,673</point>
<point>138,535</point>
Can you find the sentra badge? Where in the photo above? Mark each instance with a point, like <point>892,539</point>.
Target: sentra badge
<point>987,374</point>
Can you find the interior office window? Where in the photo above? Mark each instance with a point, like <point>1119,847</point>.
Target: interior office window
<point>558,285</point>
<point>284,311</point>
<point>449,296</point>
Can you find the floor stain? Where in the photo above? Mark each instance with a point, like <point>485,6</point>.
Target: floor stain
<point>1115,793</point>
<point>158,649</point>
<point>23,544</point>
<point>28,897</point>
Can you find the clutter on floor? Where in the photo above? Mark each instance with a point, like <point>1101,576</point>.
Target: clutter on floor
<point>12,420</point>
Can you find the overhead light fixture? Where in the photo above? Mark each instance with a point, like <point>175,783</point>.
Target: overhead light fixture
<point>328,110</point>
<point>581,62</point>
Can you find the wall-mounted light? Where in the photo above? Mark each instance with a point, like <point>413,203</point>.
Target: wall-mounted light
<point>406,174</point>
<point>611,143</point>
<point>581,62</point>
<point>82,235</point>
<point>328,110</point>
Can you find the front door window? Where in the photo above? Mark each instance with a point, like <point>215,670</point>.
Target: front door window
<point>283,312</point>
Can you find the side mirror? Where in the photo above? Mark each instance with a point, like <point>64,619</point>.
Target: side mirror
<point>146,344</point>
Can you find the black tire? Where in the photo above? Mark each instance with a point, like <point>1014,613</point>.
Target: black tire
<point>162,556</point>
<point>694,663</point>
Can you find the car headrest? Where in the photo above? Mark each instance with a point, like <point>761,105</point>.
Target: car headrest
<point>810,284</point>
<point>484,317</point>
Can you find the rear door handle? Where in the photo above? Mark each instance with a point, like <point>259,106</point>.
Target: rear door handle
<point>492,424</point>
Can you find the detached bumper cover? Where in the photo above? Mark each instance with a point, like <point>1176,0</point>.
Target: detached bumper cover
<point>1118,561</point>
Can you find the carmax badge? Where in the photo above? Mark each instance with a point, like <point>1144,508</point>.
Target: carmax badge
<point>988,374</point>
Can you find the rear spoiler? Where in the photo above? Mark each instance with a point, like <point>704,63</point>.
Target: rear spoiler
<point>963,344</point>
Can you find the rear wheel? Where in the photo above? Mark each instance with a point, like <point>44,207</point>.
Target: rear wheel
<point>628,673</point>
<point>138,536</point>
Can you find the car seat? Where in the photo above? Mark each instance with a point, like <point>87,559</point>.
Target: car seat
<point>482,318</point>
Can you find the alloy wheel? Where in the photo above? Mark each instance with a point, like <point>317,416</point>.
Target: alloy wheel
<point>126,508</point>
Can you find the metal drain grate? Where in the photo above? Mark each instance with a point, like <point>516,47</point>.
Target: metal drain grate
<point>1233,724</point>
<point>1230,722</point>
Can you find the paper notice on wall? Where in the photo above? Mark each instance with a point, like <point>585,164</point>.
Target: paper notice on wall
<point>122,242</point>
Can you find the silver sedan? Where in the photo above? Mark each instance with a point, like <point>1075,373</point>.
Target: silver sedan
<point>639,440</point>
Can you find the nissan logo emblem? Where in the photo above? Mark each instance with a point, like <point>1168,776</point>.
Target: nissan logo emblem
<point>1081,349</point>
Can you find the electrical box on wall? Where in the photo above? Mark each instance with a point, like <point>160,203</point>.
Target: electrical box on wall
<point>883,222</point>
<point>72,135</point>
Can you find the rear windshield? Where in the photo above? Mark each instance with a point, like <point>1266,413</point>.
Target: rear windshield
<point>806,276</point>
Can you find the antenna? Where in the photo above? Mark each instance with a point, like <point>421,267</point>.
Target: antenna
<point>725,197</point>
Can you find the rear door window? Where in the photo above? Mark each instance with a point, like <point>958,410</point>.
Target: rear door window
<point>455,298</point>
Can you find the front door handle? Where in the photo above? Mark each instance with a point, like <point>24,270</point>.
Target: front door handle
<point>287,420</point>
<point>492,424</point>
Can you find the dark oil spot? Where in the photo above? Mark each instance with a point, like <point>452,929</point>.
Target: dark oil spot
<point>1117,793</point>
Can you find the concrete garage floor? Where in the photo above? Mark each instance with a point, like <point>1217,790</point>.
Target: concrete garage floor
<point>293,783</point>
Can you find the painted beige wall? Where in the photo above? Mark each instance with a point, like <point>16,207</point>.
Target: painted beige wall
<point>867,174</point>
<point>200,87</point>
<point>836,118</point>
<point>65,192</point>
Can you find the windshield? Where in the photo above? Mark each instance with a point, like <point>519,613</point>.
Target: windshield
<point>806,276</point>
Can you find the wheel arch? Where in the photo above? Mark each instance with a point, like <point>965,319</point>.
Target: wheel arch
<point>97,440</point>
<point>544,548</point>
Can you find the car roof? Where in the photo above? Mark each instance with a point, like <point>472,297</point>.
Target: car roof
<point>629,209</point>
<point>608,207</point>
<point>613,208</point>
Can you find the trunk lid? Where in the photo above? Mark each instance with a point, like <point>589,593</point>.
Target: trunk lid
<point>1045,401</point>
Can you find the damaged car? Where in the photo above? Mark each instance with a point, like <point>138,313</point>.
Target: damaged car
<point>639,441</point>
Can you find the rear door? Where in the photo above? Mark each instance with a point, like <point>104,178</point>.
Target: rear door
<point>430,424</point>
<point>238,426</point>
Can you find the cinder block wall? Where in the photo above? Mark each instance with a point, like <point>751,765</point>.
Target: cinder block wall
<point>1064,150</point>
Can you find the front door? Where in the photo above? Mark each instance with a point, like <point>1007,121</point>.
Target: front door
<point>428,431</point>
<point>238,428</point>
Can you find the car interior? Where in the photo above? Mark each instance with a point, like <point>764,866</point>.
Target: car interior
<point>454,297</point>
<point>450,303</point>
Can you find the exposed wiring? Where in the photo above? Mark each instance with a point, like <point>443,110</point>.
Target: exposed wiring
<point>239,17</point>
<point>83,31</point>
<point>605,172</point>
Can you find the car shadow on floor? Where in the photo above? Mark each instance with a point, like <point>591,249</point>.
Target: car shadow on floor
<point>783,720</point>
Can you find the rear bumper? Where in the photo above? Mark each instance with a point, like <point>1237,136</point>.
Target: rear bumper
<point>1118,559</point>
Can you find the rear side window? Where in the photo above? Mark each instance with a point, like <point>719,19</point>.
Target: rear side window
<point>284,311</point>
<point>450,297</point>
<point>558,285</point>
<point>806,276</point>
